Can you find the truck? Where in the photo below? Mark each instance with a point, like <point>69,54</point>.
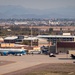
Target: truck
<point>10,51</point>
<point>72,53</point>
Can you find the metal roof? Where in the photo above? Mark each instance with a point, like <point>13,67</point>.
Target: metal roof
<point>11,38</point>
<point>56,36</point>
<point>31,38</point>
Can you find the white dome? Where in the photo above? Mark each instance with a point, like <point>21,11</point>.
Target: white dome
<point>1,39</point>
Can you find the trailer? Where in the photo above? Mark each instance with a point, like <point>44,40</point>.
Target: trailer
<point>10,51</point>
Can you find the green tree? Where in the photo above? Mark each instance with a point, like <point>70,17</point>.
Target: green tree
<point>50,30</point>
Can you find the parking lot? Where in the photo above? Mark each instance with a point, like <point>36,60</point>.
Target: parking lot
<point>25,61</point>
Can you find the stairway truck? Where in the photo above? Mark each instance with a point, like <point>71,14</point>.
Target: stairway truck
<point>16,52</point>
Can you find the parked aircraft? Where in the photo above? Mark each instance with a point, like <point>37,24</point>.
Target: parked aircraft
<point>8,51</point>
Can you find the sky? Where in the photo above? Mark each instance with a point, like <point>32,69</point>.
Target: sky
<point>40,4</point>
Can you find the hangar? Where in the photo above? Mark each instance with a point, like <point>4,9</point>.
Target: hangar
<point>55,38</point>
<point>63,47</point>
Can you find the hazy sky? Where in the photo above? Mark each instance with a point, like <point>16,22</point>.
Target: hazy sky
<point>40,4</point>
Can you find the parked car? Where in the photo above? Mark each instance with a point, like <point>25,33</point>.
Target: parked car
<point>34,52</point>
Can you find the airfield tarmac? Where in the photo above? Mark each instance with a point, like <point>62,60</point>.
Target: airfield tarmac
<point>26,61</point>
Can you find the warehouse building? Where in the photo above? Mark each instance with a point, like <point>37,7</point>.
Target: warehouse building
<point>58,43</point>
<point>64,47</point>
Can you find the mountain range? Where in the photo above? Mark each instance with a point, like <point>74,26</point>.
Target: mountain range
<point>13,11</point>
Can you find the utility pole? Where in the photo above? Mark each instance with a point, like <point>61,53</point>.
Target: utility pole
<point>49,41</point>
<point>31,35</point>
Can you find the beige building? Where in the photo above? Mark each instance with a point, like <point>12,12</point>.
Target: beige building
<point>7,45</point>
<point>42,42</point>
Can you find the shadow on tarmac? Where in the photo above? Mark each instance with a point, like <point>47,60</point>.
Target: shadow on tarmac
<point>65,59</point>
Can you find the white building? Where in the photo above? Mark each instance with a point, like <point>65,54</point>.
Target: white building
<point>20,23</point>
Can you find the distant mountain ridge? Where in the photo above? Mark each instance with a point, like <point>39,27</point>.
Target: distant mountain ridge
<point>10,11</point>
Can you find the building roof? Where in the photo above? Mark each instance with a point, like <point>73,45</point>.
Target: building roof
<point>55,36</point>
<point>11,38</point>
<point>31,38</point>
<point>1,38</point>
